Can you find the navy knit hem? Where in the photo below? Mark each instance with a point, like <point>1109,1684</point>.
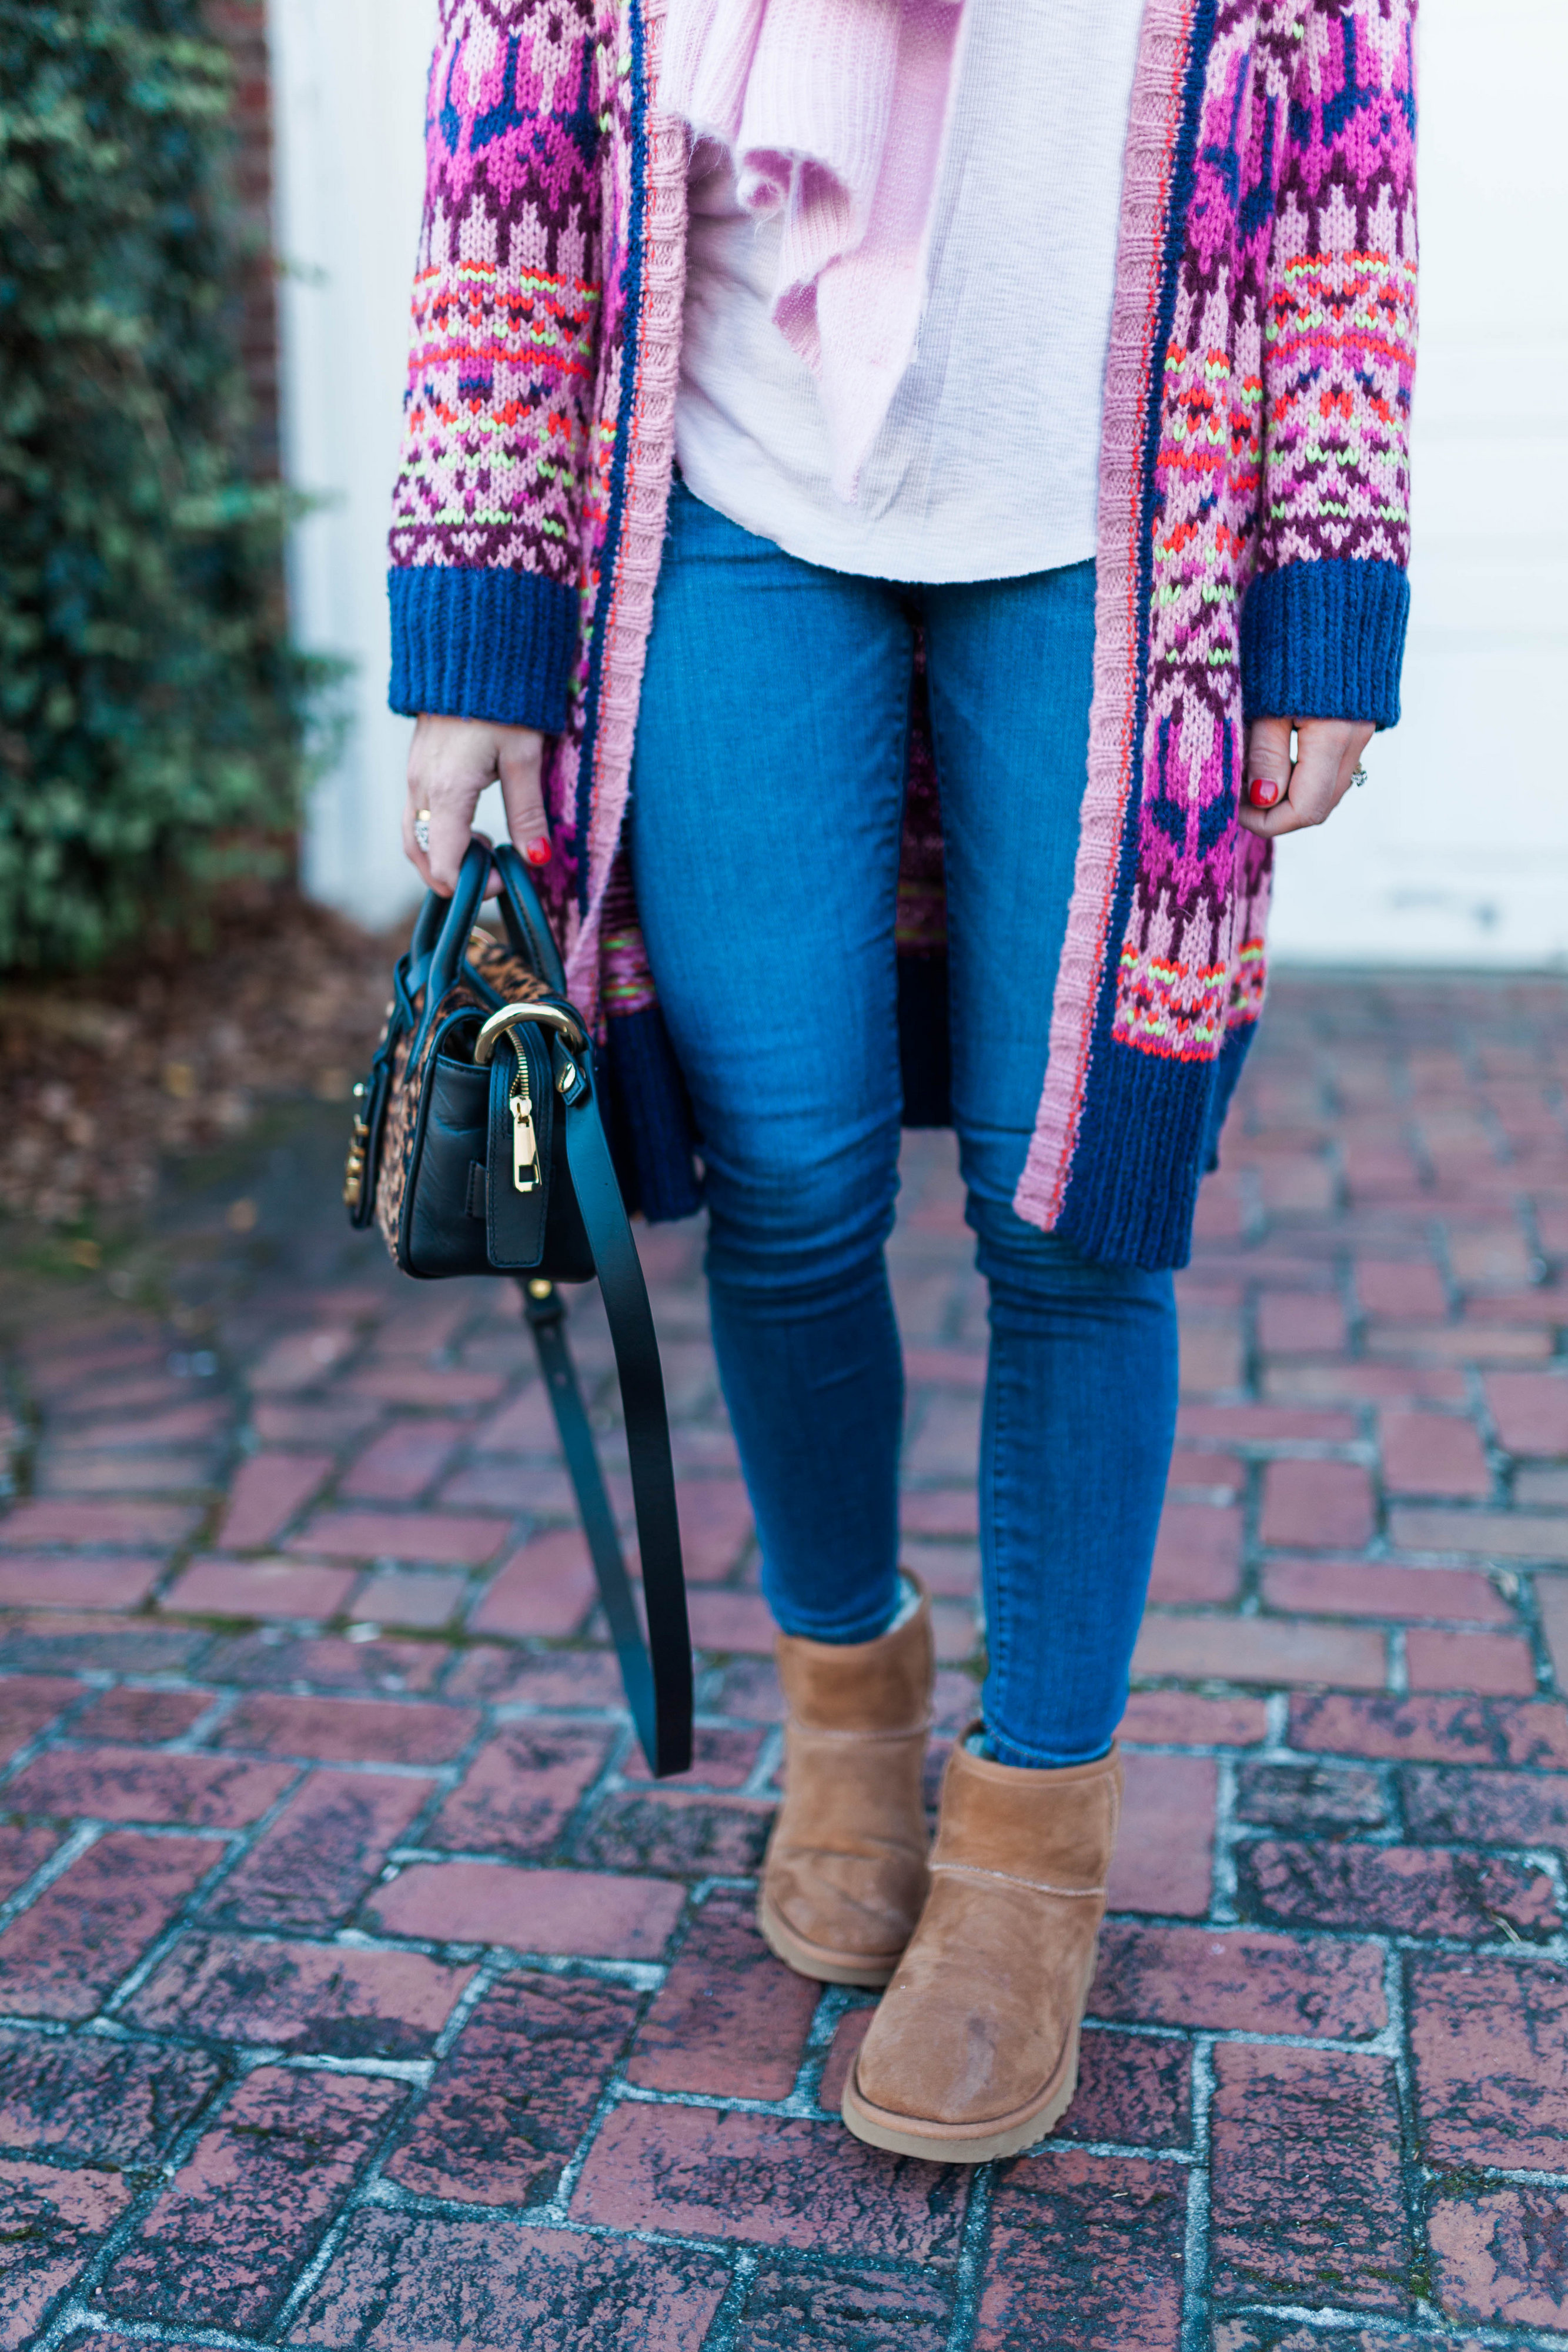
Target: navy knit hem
<point>651,1116</point>
<point>497,644</point>
<point>1325,640</point>
<point>1132,1191</point>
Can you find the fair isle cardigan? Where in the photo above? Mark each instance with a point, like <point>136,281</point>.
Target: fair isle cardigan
<point>1252,537</point>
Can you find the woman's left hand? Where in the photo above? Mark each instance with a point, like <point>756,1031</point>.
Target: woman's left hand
<point>1280,798</point>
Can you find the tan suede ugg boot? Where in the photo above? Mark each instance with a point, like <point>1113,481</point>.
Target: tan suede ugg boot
<point>974,2051</point>
<point>845,1875</point>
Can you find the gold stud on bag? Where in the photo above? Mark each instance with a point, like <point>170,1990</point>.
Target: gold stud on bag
<point>477,1148</point>
<point>359,1137</point>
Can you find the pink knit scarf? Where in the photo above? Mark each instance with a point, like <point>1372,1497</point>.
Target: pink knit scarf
<point>834,113</point>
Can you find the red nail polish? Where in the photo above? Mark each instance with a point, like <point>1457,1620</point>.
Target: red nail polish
<point>538,853</point>
<point>1264,793</point>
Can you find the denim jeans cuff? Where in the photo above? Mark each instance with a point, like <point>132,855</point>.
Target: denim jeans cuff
<point>1000,1750</point>
<point>840,1635</point>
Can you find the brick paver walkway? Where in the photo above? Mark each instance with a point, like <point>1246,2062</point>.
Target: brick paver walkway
<point>358,1990</point>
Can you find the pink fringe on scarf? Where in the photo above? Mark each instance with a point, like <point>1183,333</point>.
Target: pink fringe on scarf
<point>834,113</point>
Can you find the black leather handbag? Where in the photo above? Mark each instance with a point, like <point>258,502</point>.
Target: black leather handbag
<point>478,1148</point>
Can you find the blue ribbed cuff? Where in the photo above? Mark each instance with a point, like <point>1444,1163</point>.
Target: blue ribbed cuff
<point>1325,640</point>
<point>497,644</point>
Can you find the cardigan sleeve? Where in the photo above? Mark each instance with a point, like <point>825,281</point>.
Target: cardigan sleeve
<point>1323,628</point>
<point>484,580</point>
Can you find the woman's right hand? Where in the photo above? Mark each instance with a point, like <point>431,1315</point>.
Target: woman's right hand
<point>450,762</point>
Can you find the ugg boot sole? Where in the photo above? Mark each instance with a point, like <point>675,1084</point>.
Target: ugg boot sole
<point>936,2143</point>
<point>810,1960</point>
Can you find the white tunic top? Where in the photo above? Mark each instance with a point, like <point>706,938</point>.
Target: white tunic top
<point>987,464</point>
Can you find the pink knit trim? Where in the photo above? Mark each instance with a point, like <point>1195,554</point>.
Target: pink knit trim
<point>1153,131</point>
<point>650,455</point>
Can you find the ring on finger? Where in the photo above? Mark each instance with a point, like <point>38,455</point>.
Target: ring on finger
<point>422,830</point>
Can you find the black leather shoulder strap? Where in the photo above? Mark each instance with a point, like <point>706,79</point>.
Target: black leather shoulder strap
<point>657,1675</point>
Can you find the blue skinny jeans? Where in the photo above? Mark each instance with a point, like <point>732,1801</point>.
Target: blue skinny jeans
<point>766,814</point>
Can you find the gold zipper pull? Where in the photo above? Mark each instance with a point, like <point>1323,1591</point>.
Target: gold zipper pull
<point>525,1142</point>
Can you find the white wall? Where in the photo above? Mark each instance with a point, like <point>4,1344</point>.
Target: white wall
<point>348,91</point>
<point>1455,851</point>
<point>1458,849</point>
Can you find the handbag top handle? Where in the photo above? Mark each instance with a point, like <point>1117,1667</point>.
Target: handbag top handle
<point>434,963</point>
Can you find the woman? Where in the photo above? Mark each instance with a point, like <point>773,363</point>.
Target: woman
<point>804,391</point>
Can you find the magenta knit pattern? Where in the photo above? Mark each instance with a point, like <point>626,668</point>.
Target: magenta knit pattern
<point>511,368</point>
<point>505,299</point>
<point>1283,420</point>
<point>1292,353</point>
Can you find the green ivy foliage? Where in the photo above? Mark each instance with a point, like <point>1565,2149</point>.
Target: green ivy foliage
<point>151,710</point>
